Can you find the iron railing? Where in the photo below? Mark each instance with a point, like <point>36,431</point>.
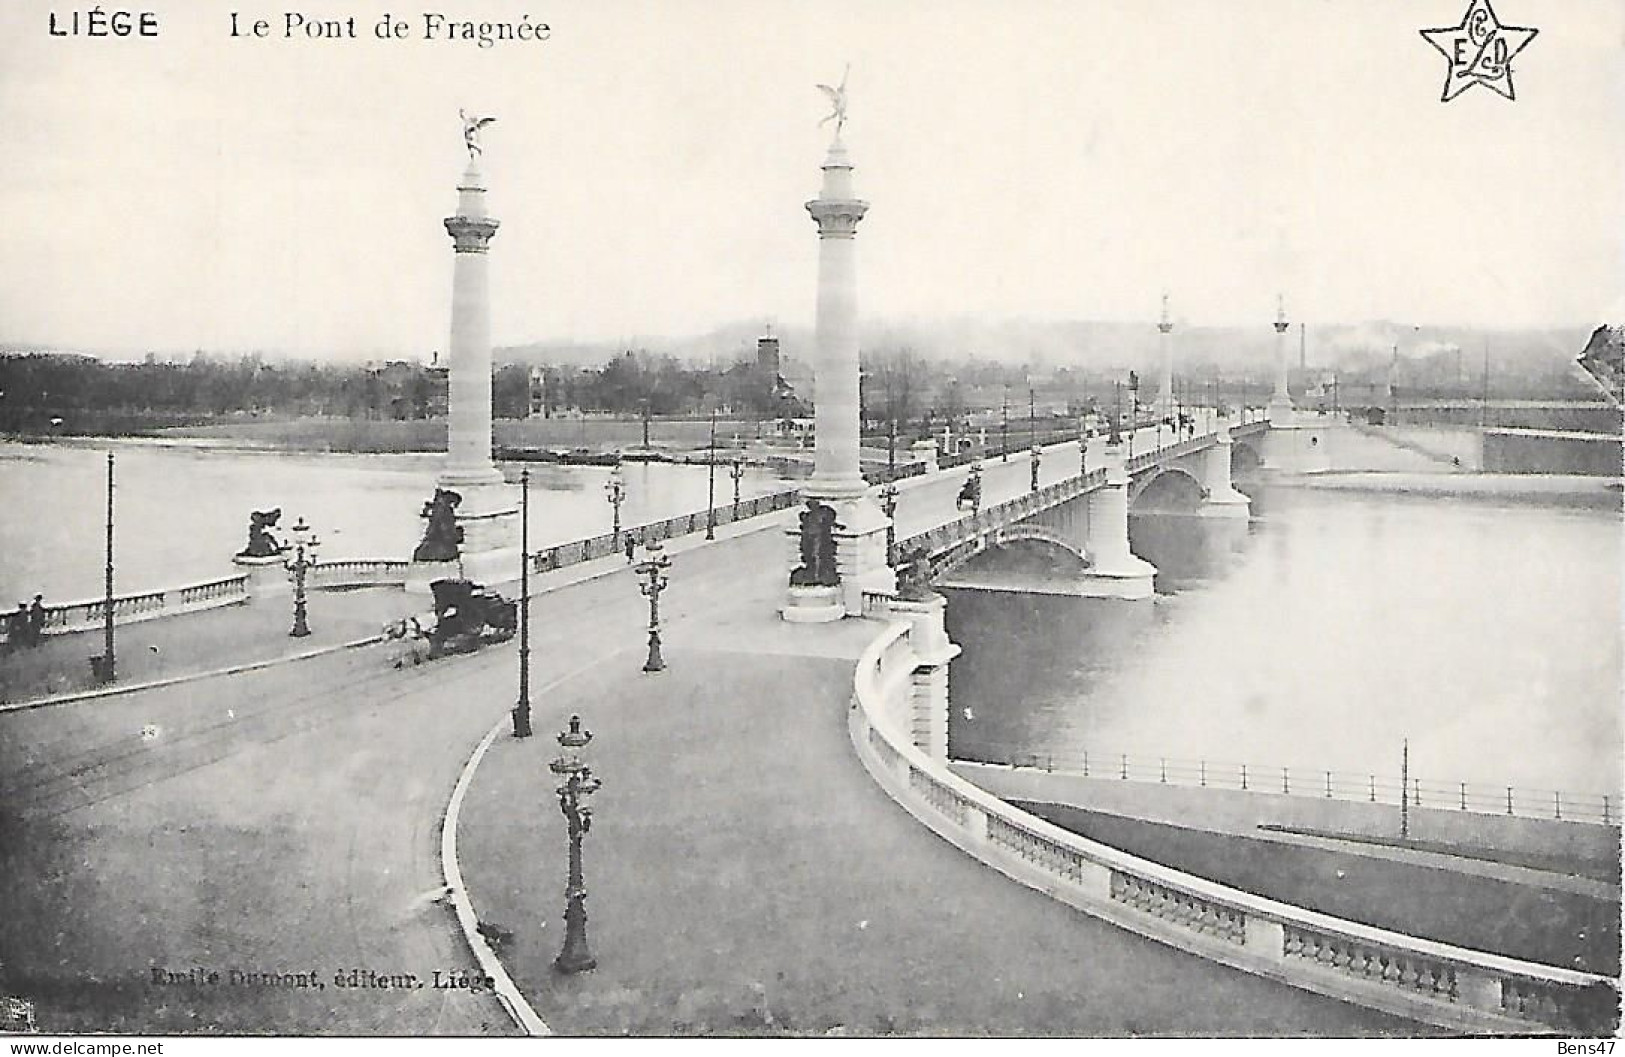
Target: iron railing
<point>1524,802</point>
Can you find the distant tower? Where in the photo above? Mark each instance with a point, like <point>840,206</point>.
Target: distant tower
<point>767,356</point>
<point>1280,408</point>
<point>1165,381</point>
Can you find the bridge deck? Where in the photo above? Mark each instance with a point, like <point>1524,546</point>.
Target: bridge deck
<point>744,868</point>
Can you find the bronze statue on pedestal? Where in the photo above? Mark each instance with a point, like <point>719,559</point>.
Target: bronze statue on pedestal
<point>442,536</point>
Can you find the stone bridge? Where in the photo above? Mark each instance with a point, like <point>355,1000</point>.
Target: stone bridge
<point>1083,519</point>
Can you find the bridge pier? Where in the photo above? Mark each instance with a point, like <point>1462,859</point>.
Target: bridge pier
<point>1114,570</point>
<point>1296,445</point>
<point>1219,495</point>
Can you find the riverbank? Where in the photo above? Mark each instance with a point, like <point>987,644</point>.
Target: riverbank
<point>1556,489</point>
<point>377,436</point>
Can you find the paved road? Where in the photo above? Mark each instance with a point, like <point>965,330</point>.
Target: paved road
<point>284,820</point>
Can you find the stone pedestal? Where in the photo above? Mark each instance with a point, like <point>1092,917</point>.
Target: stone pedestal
<point>928,683</point>
<point>1219,495</point>
<point>1114,571</point>
<point>925,451</point>
<point>419,575</point>
<point>813,605</point>
<point>267,576</point>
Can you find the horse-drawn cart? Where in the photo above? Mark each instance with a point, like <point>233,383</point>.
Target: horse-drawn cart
<point>466,617</point>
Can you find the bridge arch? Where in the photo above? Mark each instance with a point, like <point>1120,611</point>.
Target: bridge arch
<point>1173,487</point>
<point>1024,537</point>
<point>1245,460</point>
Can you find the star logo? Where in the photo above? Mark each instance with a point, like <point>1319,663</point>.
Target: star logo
<point>1479,50</point>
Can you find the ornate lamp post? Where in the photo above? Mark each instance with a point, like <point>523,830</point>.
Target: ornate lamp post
<point>578,782</point>
<point>891,446</point>
<point>615,492</point>
<point>1032,433</point>
<point>1004,425</point>
<point>1115,437</point>
<point>109,670</point>
<point>711,480</point>
<point>653,570</point>
<point>304,558</point>
<point>521,708</point>
<point>737,472</point>
<point>1083,446</point>
<point>1134,409</point>
<point>888,505</point>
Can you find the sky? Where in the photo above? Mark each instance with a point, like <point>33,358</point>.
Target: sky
<point>1037,159</point>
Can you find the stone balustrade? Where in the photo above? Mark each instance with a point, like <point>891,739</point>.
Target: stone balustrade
<point>1434,983</point>
<point>368,572</point>
<point>73,617</point>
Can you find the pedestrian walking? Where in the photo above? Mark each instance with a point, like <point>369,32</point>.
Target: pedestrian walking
<point>36,621</point>
<point>631,546</point>
<point>17,627</point>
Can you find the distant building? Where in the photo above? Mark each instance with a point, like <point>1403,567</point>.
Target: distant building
<point>539,406</point>
<point>767,356</point>
<point>411,390</point>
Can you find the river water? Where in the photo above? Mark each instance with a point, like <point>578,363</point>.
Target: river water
<point>181,510</point>
<point>1319,636</point>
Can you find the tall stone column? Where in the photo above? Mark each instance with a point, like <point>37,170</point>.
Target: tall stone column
<point>836,473</point>
<point>837,480</point>
<point>488,513</point>
<point>1165,376</point>
<point>1280,409</point>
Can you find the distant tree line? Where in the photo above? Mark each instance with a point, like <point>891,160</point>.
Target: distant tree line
<point>896,385</point>
<point>37,389</point>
